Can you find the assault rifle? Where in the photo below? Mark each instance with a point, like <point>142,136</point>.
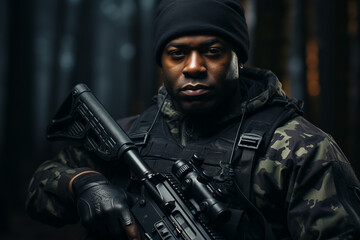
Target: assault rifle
<point>177,206</point>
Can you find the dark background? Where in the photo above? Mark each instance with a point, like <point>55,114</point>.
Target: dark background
<point>47,46</point>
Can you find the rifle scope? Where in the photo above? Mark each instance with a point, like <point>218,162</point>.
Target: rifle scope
<point>194,186</point>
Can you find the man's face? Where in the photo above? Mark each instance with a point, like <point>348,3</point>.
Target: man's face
<point>199,73</point>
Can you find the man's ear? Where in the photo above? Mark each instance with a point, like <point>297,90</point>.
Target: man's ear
<point>233,72</point>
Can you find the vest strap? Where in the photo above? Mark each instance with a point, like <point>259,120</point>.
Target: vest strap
<point>249,143</point>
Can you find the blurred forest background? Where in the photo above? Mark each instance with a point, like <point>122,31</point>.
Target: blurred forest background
<point>48,46</point>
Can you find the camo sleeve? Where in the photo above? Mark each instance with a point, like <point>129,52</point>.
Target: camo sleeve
<point>49,199</point>
<point>306,187</point>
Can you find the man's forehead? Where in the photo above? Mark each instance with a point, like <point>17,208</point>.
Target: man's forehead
<point>206,40</point>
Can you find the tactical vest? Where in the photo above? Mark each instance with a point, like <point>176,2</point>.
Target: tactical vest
<point>160,150</point>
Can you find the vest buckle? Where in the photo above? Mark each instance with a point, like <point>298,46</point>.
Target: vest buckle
<point>250,140</point>
<point>139,139</point>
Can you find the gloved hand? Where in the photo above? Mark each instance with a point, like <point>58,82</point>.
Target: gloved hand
<point>102,207</point>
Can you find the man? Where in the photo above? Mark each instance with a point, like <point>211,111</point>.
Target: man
<point>299,187</point>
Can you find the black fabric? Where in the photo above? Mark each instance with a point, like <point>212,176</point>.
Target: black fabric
<point>127,123</point>
<point>162,150</point>
<point>222,18</point>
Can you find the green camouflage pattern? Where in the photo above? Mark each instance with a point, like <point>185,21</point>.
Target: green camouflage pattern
<point>298,173</point>
<point>49,199</point>
<point>303,185</point>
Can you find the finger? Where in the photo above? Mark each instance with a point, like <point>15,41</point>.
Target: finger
<point>126,217</point>
<point>84,211</point>
<point>132,232</point>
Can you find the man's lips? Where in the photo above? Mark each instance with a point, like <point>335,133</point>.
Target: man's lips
<point>194,90</point>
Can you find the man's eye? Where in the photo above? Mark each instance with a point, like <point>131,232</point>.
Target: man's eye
<point>214,51</point>
<point>176,53</point>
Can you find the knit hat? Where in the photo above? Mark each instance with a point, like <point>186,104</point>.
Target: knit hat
<point>222,18</point>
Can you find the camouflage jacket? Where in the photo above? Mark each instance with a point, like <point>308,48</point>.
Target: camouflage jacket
<point>303,185</point>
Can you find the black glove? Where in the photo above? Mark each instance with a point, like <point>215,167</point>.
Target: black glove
<point>102,207</point>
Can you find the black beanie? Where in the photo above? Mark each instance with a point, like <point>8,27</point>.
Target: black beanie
<point>222,18</point>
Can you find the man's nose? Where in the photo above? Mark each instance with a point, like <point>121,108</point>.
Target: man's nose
<point>195,65</point>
